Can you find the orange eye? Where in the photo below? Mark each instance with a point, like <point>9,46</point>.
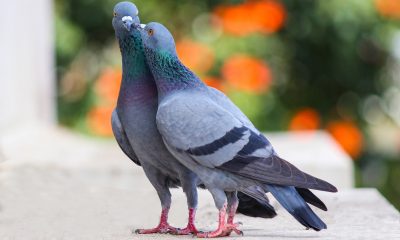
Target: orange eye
<point>150,32</point>
<point>115,14</point>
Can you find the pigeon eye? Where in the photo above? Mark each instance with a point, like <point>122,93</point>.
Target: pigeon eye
<point>115,14</point>
<point>150,32</point>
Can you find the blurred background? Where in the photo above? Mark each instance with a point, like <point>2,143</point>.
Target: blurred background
<point>289,65</point>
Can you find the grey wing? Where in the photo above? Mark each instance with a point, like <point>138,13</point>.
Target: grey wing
<point>222,100</point>
<point>193,123</point>
<point>122,139</point>
<point>215,138</point>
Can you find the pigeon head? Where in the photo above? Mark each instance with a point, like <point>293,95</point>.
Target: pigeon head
<point>157,38</point>
<point>125,18</point>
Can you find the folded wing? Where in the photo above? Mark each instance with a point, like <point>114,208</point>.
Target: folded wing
<point>215,138</point>
<point>122,139</point>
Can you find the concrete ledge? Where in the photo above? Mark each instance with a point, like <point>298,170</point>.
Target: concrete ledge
<point>59,185</point>
<point>58,203</point>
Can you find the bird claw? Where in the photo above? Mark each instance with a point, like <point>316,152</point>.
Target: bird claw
<point>233,228</point>
<point>190,229</point>
<point>164,228</point>
<point>196,235</point>
<point>222,232</point>
<point>237,231</point>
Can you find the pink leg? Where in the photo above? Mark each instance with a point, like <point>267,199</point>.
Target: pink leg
<point>190,228</point>
<point>230,225</point>
<point>221,226</point>
<point>163,226</point>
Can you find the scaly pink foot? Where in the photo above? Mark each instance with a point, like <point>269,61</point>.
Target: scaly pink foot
<point>230,225</point>
<point>163,226</point>
<point>190,228</point>
<point>224,229</point>
<point>233,227</point>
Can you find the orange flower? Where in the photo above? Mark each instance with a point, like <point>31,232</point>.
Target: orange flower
<point>305,119</point>
<point>196,56</point>
<point>348,136</point>
<point>235,19</point>
<point>265,16</point>
<point>214,82</point>
<point>99,120</point>
<point>107,86</point>
<point>269,15</point>
<point>247,73</point>
<point>388,8</point>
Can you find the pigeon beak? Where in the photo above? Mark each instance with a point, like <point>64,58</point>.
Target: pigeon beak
<point>140,26</point>
<point>127,21</point>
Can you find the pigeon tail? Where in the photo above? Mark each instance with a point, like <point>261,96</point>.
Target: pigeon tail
<point>310,198</point>
<point>253,204</point>
<point>291,200</point>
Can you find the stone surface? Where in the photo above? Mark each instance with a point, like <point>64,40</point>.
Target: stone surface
<point>58,185</point>
<point>49,202</point>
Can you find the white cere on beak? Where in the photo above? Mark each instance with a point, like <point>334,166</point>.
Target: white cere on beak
<point>142,26</point>
<point>137,12</point>
<point>127,18</point>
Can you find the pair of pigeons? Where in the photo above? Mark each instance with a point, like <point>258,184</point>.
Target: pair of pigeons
<point>184,133</point>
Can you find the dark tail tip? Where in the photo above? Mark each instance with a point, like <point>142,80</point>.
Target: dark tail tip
<point>291,200</point>
<point>309,197</point>
<point>309,219</point>
<point>332,188</point>
<point>322,185</point>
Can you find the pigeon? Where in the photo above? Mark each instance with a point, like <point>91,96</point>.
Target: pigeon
<point>210,135</point>
<point>134,128</point>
